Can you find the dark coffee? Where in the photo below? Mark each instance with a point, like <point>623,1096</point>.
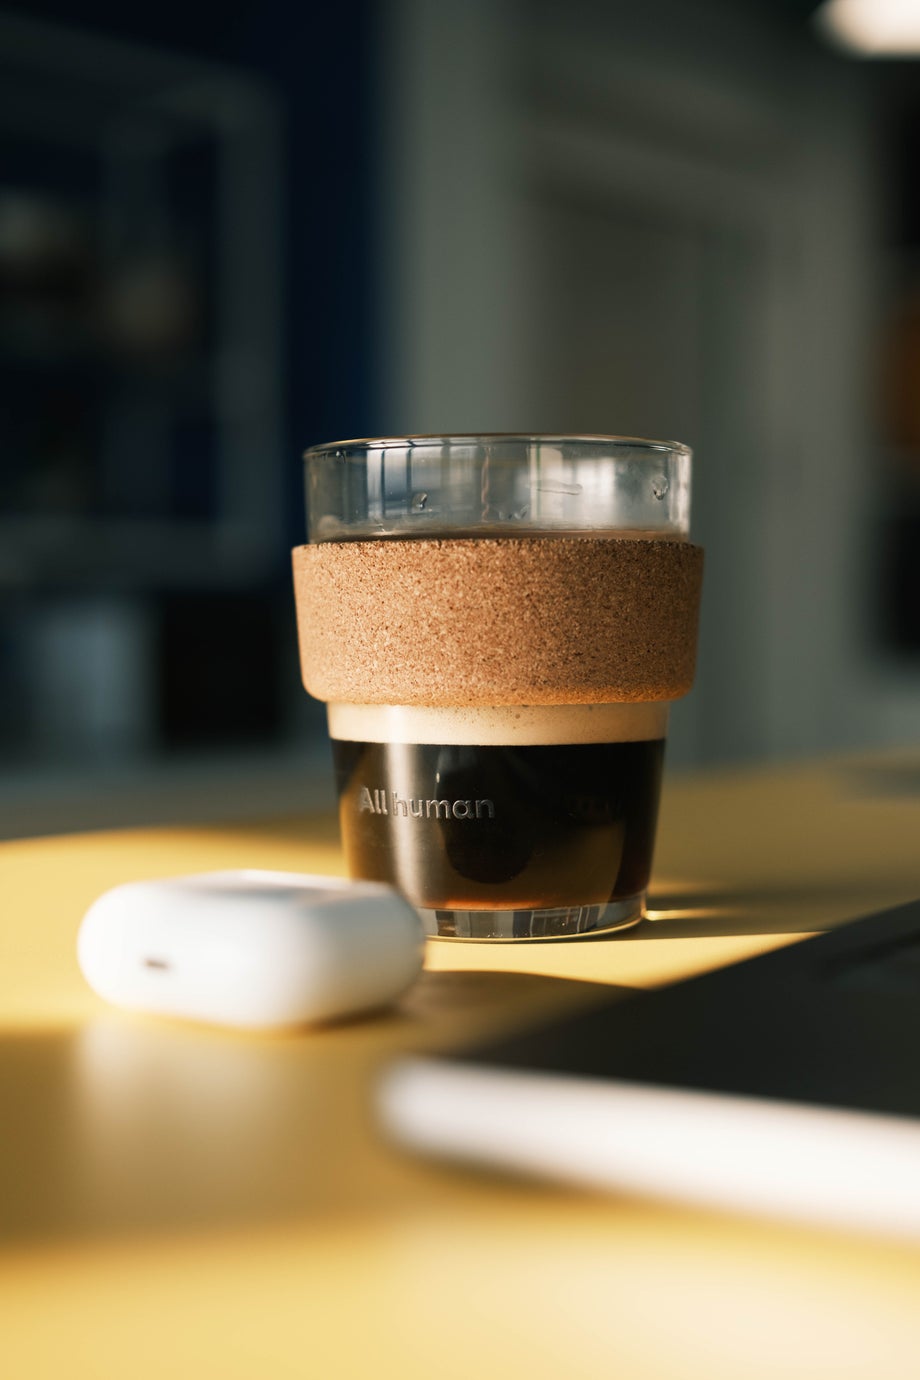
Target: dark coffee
<point>528,828</point>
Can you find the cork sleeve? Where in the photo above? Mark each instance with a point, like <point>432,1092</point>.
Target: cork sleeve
<point>513,621</point>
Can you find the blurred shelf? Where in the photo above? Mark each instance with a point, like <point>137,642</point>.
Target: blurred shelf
<point>131,553</point>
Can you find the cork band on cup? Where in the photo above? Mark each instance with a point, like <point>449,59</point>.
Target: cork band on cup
<point>537,620</point>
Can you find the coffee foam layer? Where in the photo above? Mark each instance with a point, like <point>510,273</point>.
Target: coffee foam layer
<point>525,725</point>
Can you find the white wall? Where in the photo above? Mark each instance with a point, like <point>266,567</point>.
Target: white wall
<point>659,222</point>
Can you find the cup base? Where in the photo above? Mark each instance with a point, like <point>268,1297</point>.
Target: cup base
<point>560,922</point>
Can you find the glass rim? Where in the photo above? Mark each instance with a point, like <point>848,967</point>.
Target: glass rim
<point>331,449</point>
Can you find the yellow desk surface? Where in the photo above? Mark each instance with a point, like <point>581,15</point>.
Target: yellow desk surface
<point>178,1201</point>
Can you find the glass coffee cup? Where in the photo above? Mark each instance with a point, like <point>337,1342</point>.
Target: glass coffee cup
<point>498,625</point>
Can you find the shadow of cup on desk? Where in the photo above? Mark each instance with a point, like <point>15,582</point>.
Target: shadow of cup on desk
<point>772,908</point>
<point>700,916</point>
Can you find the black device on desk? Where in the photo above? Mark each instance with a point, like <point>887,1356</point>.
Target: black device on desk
<point>787,1084</point>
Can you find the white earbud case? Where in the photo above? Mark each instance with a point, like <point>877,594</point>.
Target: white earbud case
<point>260,950</point>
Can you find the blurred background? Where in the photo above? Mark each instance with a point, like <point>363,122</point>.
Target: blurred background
<point>223,241</point>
